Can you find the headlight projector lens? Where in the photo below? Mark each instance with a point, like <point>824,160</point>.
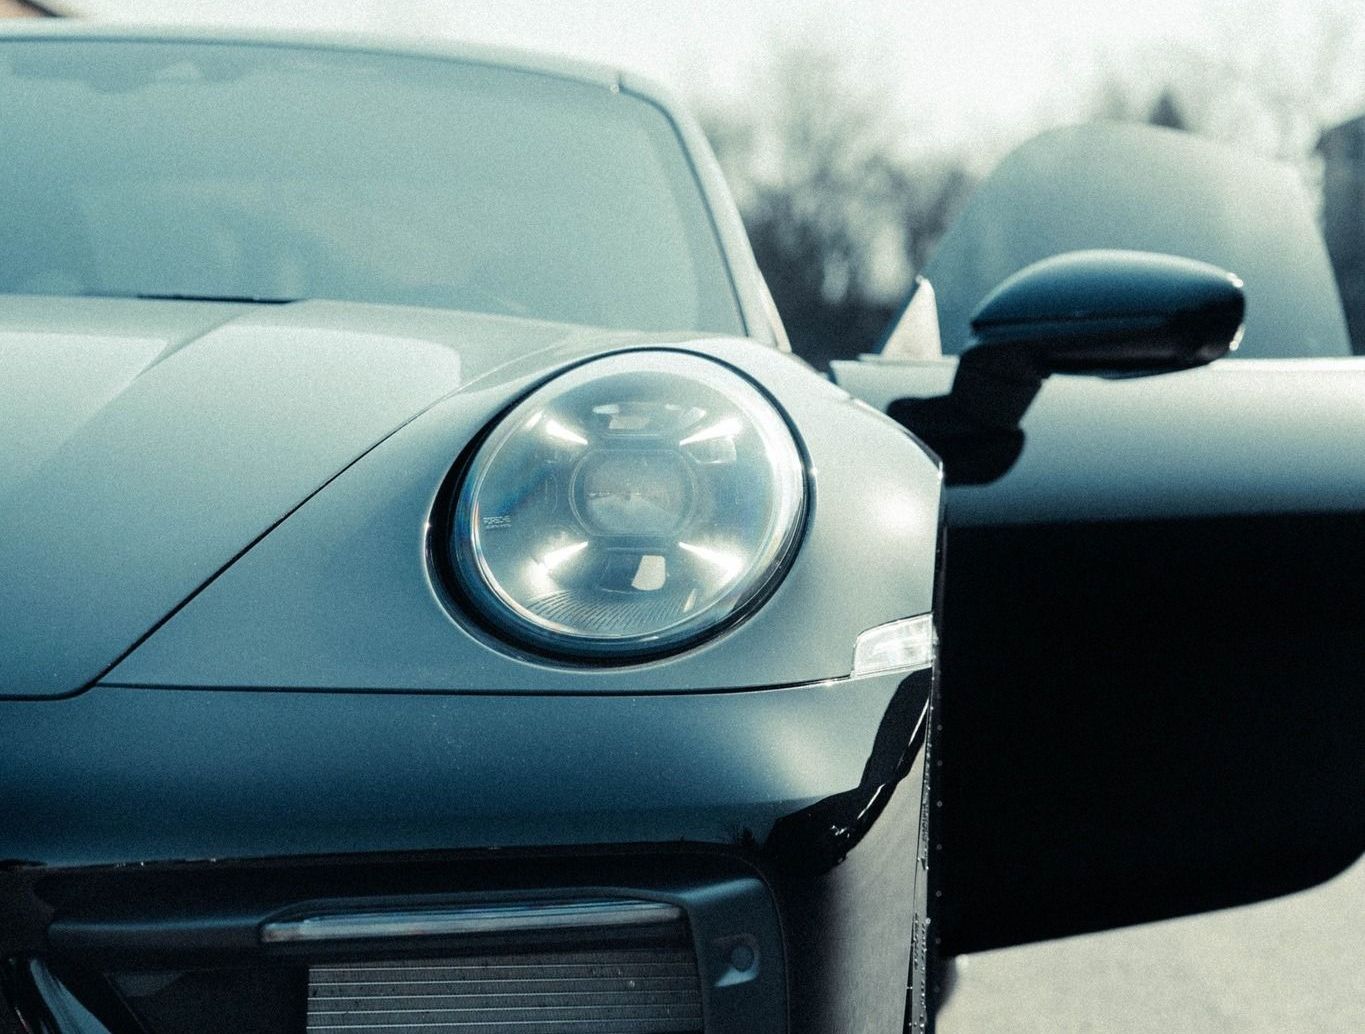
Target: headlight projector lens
<point>629,506</point>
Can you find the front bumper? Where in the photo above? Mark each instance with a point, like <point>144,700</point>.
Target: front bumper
<point>156,828</point>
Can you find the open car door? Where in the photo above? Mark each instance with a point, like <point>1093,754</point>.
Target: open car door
<point>1153,688</point>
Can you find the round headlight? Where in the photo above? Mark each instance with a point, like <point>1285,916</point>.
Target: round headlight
<point>629,506</point>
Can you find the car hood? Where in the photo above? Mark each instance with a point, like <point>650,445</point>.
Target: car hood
<point>147,444</point>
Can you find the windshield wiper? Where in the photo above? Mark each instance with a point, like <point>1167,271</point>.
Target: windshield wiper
<point>248,298</point>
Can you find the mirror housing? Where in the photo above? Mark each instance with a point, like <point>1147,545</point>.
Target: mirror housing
<point>1111,312</point>
<point>1108,313</point>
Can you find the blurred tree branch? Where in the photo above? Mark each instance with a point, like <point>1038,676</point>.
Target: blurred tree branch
<point>843,211</point>
<point>839,218</point>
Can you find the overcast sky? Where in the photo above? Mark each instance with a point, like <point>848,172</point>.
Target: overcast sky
<point>957,66</point>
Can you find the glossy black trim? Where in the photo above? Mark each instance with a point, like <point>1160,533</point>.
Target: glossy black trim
<point>1117,312</point>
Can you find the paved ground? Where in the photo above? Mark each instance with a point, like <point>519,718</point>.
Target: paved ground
<point>1289,965</point>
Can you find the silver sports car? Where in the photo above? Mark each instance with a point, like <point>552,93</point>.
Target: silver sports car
<point>432,598</point>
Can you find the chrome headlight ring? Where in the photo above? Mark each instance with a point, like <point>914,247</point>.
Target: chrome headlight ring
<point>628,507</point>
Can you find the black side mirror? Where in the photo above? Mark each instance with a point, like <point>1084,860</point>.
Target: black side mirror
<point>1111,313</point>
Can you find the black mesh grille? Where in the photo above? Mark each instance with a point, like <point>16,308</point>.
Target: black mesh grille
<point>631,990</point>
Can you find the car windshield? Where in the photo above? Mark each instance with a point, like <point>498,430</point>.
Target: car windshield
<point>259,172</point>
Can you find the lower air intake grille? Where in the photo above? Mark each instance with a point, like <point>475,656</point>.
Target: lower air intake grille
<point>650,989</point>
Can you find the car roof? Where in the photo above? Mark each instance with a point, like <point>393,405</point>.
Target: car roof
<point>448,49</point>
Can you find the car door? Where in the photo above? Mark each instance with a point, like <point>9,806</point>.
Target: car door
<point>1153,701</point>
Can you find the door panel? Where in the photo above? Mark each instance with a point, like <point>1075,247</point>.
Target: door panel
<point>1162,713</point>
<point>1145,719</point>
<point>1153,640</point>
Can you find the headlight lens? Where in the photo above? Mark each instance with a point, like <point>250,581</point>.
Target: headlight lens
<point>629,506</point>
